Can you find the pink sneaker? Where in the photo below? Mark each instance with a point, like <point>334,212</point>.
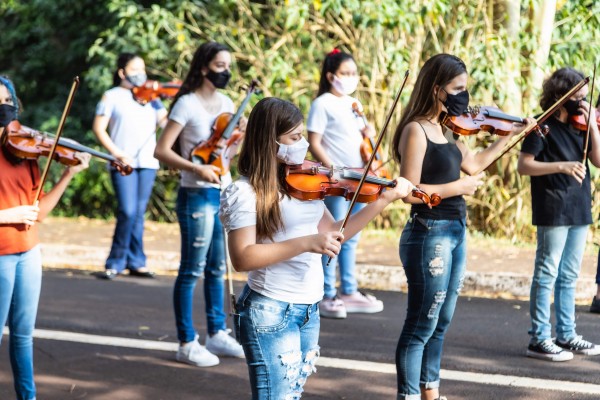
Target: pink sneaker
<point>360,302</point>
<point>332,308</point>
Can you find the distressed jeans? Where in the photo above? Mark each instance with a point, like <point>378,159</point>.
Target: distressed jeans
<point>20,284</point>
<point>433,253</point>
<point>557,265</point>
<point>202,255</point>
<point>280,341</point>
<point>338,207</point>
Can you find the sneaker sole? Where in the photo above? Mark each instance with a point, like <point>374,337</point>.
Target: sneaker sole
<point>588,352</point>
<point>186,361</point>
<point>220,354</point>
<point>565,356</point>
<point>331,315</point>
<point>364,310</point>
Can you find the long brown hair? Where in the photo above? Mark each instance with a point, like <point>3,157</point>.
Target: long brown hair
<point>270,118</point>
<point>439,70</point>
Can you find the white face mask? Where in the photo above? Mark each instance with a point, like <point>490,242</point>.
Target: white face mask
<point>293,154</point>
<point>345,85</point>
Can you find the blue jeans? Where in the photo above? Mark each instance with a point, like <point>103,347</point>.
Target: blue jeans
<point>598,270</point>
<point>202,255</point>
<point>557,265</point>
<point>133,192</point>
<point>338,207</point>
<point>280,341</point>
<point>20,283</point>
<point>433,253</point>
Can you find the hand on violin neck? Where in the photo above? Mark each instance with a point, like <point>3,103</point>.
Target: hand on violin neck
<point>84,162</point>
<point>402,189</point>
<point>123,157</point>
<point>368,131</point>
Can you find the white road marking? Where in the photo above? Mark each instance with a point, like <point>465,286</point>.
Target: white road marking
<point>327,362</point>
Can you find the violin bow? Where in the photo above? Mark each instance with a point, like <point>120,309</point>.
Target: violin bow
<point>587,134</point>
<point>59,130</point>
<point>373,154</point>
<point>536,124</point>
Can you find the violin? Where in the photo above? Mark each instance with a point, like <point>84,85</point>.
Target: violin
<point>152,90</point>
<point>580,123</point>
<point>225,138</point>
<point>311,181</point>
<point>367,146</point>
<point>475,119</point>
<point>29,144</point>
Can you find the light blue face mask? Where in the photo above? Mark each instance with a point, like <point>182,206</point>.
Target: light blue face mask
<point>137,80</point>
<point>293,154</point>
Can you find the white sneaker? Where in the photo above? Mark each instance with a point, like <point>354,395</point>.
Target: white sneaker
<point>224,345</point>
<point>332,308</point>
<point>196,354</point>
<point>359,302</point>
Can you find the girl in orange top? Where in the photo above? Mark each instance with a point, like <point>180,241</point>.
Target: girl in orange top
<point>20,260</point>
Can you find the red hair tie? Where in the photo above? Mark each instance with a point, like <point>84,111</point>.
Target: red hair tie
<point>334,51</point>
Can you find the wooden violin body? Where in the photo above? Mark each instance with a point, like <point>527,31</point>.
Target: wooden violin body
<point>579,122</point>
<point>489,119</point>
<point>313,181</point>
<point>223,144</point>
<point>219,150</point>
<point>152,90</point>
<point>26,143</point>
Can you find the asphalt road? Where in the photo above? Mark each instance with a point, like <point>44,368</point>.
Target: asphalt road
<point>484,350</point>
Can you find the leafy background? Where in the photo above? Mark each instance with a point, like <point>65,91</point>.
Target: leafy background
<point>509,47</point>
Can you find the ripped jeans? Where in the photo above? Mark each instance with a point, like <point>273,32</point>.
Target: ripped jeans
<point>202,255</point>
<point>433,253</point>
<point>280,341</point>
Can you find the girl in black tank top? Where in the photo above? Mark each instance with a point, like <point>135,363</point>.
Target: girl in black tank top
<point>433,242</point>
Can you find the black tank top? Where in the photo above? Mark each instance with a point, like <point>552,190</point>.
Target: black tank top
<point>441,164</point>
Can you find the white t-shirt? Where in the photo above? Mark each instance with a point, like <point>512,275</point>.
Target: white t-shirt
<point>132,126</point>
<point>332,117</point>
<point>297,280</point>
<point>197,123</point>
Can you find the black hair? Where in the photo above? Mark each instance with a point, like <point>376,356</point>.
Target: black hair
<point>122,61</point>
<point>331,63</point>
<point>558,84</point>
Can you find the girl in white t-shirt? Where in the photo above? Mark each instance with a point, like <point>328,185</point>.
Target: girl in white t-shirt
<point>127,129</point>
<point>192,114</point>
<point>335,134</point>
<point>279,240</point>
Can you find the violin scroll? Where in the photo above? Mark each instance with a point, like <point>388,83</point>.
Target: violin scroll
<point>430,200</point>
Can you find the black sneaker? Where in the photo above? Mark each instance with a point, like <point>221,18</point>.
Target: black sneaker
<point>595,307</point>
<point>549,351</point>
<point>580,346</point>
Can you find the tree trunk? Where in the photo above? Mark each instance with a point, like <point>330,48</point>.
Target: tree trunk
<point>543,16</point>
<point>507,14</point>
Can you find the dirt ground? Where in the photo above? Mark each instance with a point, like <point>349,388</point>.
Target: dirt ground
<point>375,247</point>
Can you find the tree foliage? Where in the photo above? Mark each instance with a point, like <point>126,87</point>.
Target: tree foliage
<point>282,44</point>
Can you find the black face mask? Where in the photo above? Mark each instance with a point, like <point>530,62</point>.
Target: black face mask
<point>572,107</point>
<point>218,79</point>
<point>8,113</point>
<point>456,104</point>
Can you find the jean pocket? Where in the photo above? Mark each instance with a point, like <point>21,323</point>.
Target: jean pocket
<point>236,327</point>
<point>268,319</point>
